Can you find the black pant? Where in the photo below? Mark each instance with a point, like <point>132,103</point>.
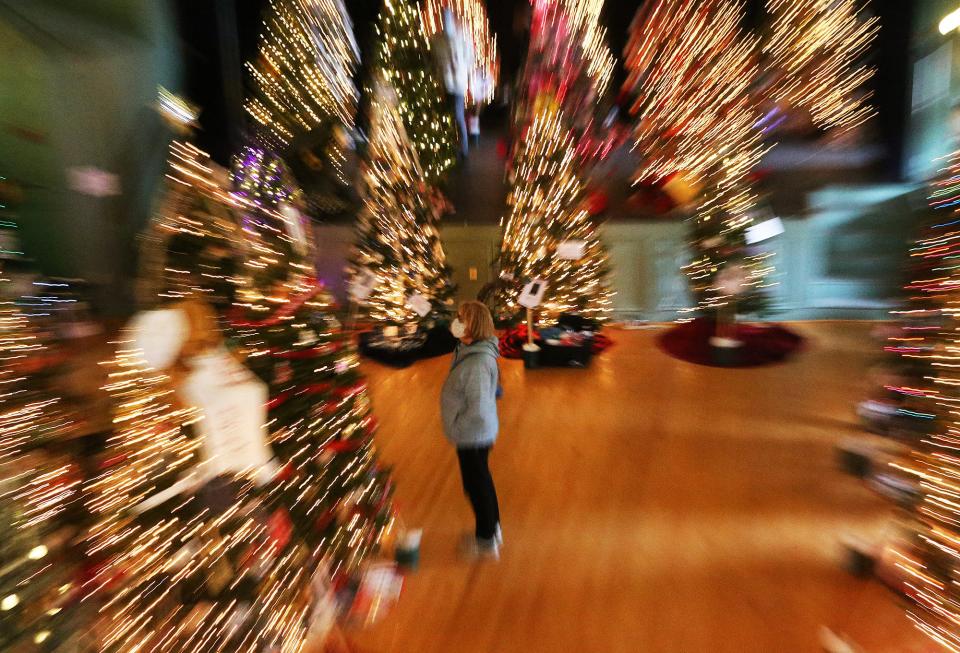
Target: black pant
<point>478,484</point>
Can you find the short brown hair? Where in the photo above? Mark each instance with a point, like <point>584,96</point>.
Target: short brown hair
<point>477,321</point>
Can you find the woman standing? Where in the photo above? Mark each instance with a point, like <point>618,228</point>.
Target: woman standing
<point>468,404</point>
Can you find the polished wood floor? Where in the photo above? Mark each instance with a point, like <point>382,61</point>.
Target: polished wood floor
<point>649,505</point>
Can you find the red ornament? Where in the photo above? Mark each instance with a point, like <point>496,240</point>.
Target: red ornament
<point>597,202</point>
<point>280,529</point>
<point>285,473</point>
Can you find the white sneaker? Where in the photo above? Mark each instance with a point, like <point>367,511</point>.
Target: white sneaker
<point>474,548</point>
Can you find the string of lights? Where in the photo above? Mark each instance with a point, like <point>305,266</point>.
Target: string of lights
<point>568,58</point>
<point>927,556</point>
<point>182,562</point>
<point>691,71</point>
<point>815,47</point>
<point>189,563</point>
<point>39,479</point>
<point>320,422</point>
<point>303,74</point>
<point>698,91</point>
<point>403,58</point>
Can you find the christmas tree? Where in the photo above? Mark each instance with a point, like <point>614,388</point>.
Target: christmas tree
<point>472,15</point>
<point>691,69</point>
<point>302,98</point>
<point>320,423</point>
<point>814,52</point>
<point>277,235</point>
<point>918,466</point>
<point>398,251</point>
<point>546,217</point>
<point>568,58</point>
<point>403,59</point>
<point>40,588</point>
<point>699,101</point>
<point>192,553</point>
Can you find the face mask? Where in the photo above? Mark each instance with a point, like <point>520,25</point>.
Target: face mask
<point>457,328</point>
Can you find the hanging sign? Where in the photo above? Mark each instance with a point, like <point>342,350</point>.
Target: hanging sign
<point>419,304</point>
<point>362,285</point>
<point>571,250</point>
<point>764,230</point>
<point>234,406</point>
<point>294,227</point>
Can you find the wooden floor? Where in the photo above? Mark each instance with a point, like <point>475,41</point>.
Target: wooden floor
<point>649,505</point>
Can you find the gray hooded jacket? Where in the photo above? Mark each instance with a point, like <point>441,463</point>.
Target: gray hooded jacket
<point>468,401</point>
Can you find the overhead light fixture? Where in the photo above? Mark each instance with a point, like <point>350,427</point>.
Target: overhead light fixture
<point>950,22</point>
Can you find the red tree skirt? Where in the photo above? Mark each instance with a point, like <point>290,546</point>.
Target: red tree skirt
<point>762,344</point>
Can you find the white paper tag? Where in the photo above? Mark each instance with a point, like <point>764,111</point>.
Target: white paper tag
<point>571,250</point>
<point>764,230</point>
<point>233,428</point>
<point>362,285</point>
<point>532,293</point>
<point>420,304</point>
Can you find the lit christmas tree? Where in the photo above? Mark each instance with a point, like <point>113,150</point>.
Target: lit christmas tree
<point>698,93</point>
<point>403,58</point>
<point>398,242</point>
<point>40,588</point>
<point>918,467</point>
<point>277,235</point>
<point>302,99</point>
<point>192,553</point>
<point>546,210</point>
<point>472,14</point>
<point>814,50</point>
<point>691,69</point>
<point>199,544</point>
<point>320,423</point>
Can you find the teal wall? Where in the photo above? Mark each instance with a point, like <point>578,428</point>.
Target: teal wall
<point>843,261</point>
<point>79,82</point>
<point>935,90</point>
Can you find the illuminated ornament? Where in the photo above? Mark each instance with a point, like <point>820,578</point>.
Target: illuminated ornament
<point>681,189</point>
